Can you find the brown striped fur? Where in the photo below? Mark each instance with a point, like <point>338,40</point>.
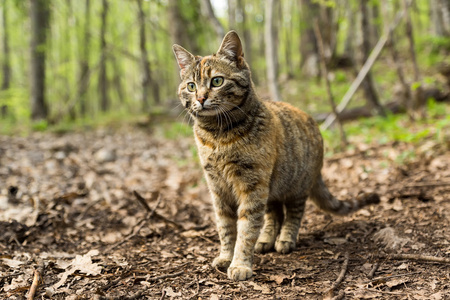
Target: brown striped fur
<point>261,159</point>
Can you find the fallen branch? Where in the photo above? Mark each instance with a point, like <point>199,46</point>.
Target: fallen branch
<point>390,276</point>
<point>34,286</point>
<point>339,296</point>
<point>157,215</point>
<point>427,184</point>
<point>340,277</point>
<point>374,269</point>
<point>134,232</point>
<point>165,276</point>
<point>364,70</point>
<point>420,257</point>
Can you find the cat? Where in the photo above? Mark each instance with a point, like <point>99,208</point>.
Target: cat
<point>261,159</point>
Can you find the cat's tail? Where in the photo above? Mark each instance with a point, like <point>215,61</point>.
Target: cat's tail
<point>326,201</point>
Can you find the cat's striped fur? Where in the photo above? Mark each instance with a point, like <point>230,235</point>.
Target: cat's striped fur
<point>262,159</point>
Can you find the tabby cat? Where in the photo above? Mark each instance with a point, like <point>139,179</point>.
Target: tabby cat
<point>262,159</point>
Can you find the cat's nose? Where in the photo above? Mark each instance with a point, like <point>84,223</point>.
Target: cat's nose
<point>201,99</point>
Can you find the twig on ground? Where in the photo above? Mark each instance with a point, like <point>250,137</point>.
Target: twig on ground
<point>11,275</point>
<point>197,291</point>
<point>340,277</point>
<point>36,279</point>
<point>165,276</point>
<point>390,276</point>
<point>143,201</point>
<point>374,269</point>
<point>220,272</point>
<point>383,292</point>
<point>134,232</point>
<point>339,296</point>
<point>427,184</point>
<point>163,294</point>
<point>157,215</point>
<point>419,257</point>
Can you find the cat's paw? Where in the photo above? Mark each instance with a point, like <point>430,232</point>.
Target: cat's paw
<point>263,247</point>
<point>239,273</point>
<point>221,263</point>
<point>284,247</point>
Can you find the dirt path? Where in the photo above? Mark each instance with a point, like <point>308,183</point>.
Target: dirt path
<point>68,210</point>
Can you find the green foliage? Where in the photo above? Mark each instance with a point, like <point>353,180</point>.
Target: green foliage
<point>395,128</point>
<point>175,130</point>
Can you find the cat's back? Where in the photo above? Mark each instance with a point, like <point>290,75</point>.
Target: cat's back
<point>295,122</point>
<point>299,148</point>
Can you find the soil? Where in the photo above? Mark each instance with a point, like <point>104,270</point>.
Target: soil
<point>126,214</point>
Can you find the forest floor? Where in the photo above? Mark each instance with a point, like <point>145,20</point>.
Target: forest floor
<point>74,223</point>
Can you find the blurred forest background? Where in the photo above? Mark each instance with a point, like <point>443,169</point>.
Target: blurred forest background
<point>67,62</point>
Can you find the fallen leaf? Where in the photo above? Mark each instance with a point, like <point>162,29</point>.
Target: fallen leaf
<point>83,264</point>
<point>264,289</point>
<point>278,278</point>
<point>170,293</point>
<point>12,263</point>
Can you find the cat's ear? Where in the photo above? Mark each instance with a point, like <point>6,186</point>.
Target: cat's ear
<point>184,57</point>
<point>231,46</point>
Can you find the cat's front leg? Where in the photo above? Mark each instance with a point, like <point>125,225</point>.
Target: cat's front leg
<point>250,220</point>
<point>226,226</point>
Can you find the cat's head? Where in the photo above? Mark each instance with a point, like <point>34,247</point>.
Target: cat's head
<point>215,84</point>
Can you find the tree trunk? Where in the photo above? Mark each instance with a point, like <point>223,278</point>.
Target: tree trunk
<point>308,45</point>
<point>440,16</point>
<point>369,87</point>
<point>178,26</point>
<point>145,63</point>
<point>271,50</point>
<point>6,68</point>
<point>39,15</point>
<point>83,81</point>
<point>246,35</point>
<point>103,80</point>
<point>231,14</point>
<point>418,104</point>
<point>218,28</point>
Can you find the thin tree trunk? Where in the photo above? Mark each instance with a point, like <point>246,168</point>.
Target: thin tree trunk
<point>145,63</point>
<point>369,87</point>
<point>231,14</point>
<point>218,28</point>
<point>271,53</point>
<point>39,15</point>
<point>417,110</point>
<point>6,68</point>
<point>103,80</point>
<point>324,72</point>
<point>84,76</point>
<point>247,36</point>
<point>68,58</point>
<point>308,45</point>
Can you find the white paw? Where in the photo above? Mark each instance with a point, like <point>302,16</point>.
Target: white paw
<point>284,247</point>
<point>263,247</point>
<point>221,263</point>
<point>239,273</point>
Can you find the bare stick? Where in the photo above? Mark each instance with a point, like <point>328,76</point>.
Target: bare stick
<point>34,285</point>
<point>165,276</point>
<point>340,277</point>
<point>428,184</point>
<point>374,269</point>
<point>420,257</point>
<point>339,296</point>
<point>391,276</point>
<point>364,70</point>
<point>323,66</point>
<point>154,213</point>
<point>142,223</point>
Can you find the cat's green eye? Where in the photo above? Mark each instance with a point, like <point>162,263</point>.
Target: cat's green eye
<point>217,81</point>
<point>191,87</point>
